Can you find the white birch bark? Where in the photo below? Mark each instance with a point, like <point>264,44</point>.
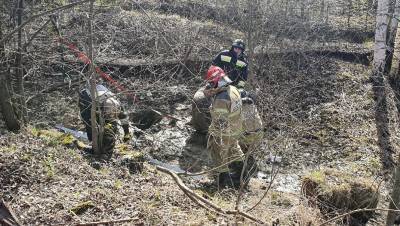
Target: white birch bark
<point>382,19</point>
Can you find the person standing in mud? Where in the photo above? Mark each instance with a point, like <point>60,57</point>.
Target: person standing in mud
<point>234,63</point>
<point>225,128</point>
<point>111,115</point>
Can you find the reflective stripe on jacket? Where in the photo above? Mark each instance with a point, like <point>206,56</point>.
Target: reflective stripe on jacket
<point>234,66</point>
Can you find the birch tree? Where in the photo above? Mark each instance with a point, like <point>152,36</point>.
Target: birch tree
<point>392,30</point>
<point>381,112</point>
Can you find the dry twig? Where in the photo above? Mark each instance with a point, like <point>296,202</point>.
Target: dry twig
<point>356,211</point>
<point>32,18</point>
<point>192,195</point>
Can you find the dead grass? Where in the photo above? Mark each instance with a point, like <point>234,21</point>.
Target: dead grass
<point>336,192</point>
<point>316,113</point>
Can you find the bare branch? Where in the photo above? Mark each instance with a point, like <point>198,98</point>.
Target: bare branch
<point>32,18</point>
<point>189,192</point>
<point>273,176</point>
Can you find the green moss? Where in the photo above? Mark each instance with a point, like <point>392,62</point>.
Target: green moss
<point>104,171</point>
<point>34,131</point>
<point>211,216</point>
<point>322,135</point>
<point>9,149</point>
<point>274,196</point>
<point>49,133</point>
<point>54,138</point>
<point>82,207</point>
<point>278,199</point>
<point>368,43</point>
<point>49,167</point>
<point>157,196</point>
<point>67,139</point>
<point>136,155</point>
<point>346,75</point>
<point>122,149</point>
<point>26,157</point>
<point>118,184</point>
<point>374,165</point>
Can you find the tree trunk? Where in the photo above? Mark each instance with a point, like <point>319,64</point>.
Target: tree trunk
<point>6,105</point>
<point>327,14</point>
<point>349,12</point>
<point>395,197</point>
<point>394,42</point>
<point>249,30</point>
<point>395,66</point>
<point>381,112</point>
<point>366,16</point>
<point>19,70</point>
<point>322,9</point>
<point>95,127</point>
<point>394,71</point>
<point>392,36</point>
<point>286,10</point>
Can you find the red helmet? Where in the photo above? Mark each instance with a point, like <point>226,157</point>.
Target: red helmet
<point>215,74</point>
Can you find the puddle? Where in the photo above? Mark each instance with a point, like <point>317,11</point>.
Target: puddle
<point>288,183</point>
<point>178,143</point>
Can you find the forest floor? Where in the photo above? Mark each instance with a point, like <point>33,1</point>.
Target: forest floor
<point>319,115</point>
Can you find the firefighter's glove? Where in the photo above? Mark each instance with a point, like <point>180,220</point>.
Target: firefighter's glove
<point>243,93</point>
<point>253,96</point>
<point>240,84</point>
<point>247,100</point>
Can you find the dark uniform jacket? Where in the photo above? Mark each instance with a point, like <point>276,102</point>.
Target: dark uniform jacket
<point>235,67</point>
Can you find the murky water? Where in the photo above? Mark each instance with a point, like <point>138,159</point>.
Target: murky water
<point>288,183</point>
<point>177,147</point>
